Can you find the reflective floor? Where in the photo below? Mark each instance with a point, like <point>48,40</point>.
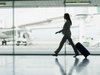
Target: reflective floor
<point>49,65</point>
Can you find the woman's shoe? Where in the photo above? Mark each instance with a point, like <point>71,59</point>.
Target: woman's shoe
<point>56,54</point>
<point>75,55</point>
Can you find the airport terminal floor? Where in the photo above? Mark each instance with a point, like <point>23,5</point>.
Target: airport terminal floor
<point>49,65</point>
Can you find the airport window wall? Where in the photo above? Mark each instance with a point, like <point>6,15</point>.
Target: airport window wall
<point>31,30</point>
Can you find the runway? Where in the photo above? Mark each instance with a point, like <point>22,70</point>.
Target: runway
<point>44,49</point>
<point>49,65</point>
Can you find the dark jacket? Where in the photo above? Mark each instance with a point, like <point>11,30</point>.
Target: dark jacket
<point>66,28</point>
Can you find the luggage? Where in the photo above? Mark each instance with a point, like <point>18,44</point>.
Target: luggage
<point>82,49</point>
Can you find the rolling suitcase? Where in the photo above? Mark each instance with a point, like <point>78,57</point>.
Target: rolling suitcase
<point>82,49</point>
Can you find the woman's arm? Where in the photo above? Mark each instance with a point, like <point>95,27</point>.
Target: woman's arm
<point>59,31</point>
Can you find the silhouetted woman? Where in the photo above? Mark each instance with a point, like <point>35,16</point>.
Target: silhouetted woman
<point>67,35</point>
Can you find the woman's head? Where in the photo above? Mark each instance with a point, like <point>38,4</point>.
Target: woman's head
<point>67,16</point>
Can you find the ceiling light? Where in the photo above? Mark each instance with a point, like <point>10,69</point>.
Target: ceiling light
<point>78,2</point>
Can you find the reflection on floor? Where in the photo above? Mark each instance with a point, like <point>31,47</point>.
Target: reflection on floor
<point>49,65</point>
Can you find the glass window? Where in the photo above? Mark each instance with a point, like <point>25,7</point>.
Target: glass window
<point>6,29</point>
<point>36,29</point>
<point>85,27</point>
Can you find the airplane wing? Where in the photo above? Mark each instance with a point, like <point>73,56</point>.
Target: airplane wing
<point>6,33</point>
<point>55,18</point>
<point>86,15</point>
<point>40,22</point>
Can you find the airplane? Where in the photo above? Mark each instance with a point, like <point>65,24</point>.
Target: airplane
<point>21,34</point>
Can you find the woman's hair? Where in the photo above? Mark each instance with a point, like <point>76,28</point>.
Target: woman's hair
<point>67,17</point>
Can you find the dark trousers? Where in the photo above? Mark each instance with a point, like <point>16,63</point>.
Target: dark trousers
<point>62,43</point>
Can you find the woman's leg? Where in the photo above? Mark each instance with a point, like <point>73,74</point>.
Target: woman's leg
<point>61,44</point>
<point>74,48</point>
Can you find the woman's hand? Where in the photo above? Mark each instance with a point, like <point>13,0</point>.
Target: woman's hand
<point>56,32</point>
